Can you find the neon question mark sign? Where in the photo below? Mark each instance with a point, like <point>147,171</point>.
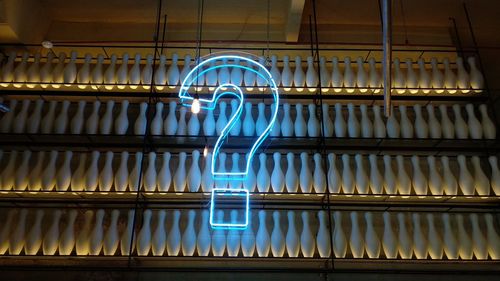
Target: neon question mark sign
<point>235,91</point>
<point>229,90</point>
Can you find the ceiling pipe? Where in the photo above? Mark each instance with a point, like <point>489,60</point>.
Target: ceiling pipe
<point>387,59</point>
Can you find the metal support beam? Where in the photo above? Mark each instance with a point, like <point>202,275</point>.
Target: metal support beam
<point>387,60</point>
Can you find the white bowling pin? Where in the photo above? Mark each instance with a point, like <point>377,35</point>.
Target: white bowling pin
<point>353,127</point>
<point>78,177</point>
<point>392,125</point>
<point>47,123</point>
<point>158,241</point>
<point>327,121</point>
<point>479,243</point>
<point>406,124</point>
<point>489,128</point>
<point>21,174</point>
<point>174,236</point>
<point>121,175</point>
<point>435,130</point>
<point>157,122</point>
<point>33,121</point>
<point>19,121</point>
<point>287,125</point>
<point>307,241</point>
<point>372,242</point>
<point>207,180</point>
<point>463,80</point>
<point>76,123</point>
<point>121,121</point>
<point>376,179</point>
<point>476,77</point>
<point>110,74</point>
<point>366,124</point>
<point>298,75</point>
<point>347,176</point>
<point>461,129</point>
<point>277,177</point>
<point>450,245</point>
<point>126,243</point>
<point>70,71</point>
<point>339,239</point>
<point>435,179</point>
<point>349,79</point>
<point>133,179</point>
<point>399,80</point>
<point>450,80</point>
<point>110,244</point>
<point>140,122</point>
<point>248,240</point>
<point>300,127</point>
<point>134,75</point>
<point>390,181</point>
<point>424,82</point>
<point>475,128</point>
<point>68,239</point>
<point>6,230</point>
<point>419,241</point>
<point>194,173</point>
<point>323,236</point>
<point>411,77</point>
<point>495,174</point>
<point>49,173</point>
<point>286,74</point>
<point>203,239</point>
<point>361,76</point>
<point>465,180</point>
<point>92,173</point>
<point>179,179</point>
<point>492,238</point>
<point>419,181</point>
<point>233,242</point>
<point>305,177</point>
<point>311,75</point>
<point>362,180</point>
<point>237,73</point>
<point>324,74</point>
<point>34,235</point>
<point>219,237</point>
<point>339,124</point>
<point>435,243</point>
<point>356,240</point>
<point>57,73</point>
<point>465,250</point>
<point>92,122</point>
<point>481,181</point>
<point>277,237</point>
<point>446,124</point>
<point>263,178</point>
<point>319,177</point>
<point>374,81</point>
<point>334,180</point>
<point>97,234</point>
<point>405,248</point>
<point>17,237</point>
<point>291,177</point>
<point>160,76</point>
<point>63,176</point>
<point>262,239</point>
<point>437,78</point>
<point>150,175</point>
<point>51,237</point>
<point>292,241</point>
<point>83,76</point>
<point>337,76</point>
<point>236,129</point>
<point>144,235</point>
<point>421,127</point>
<point>82,242</point>
<point>404,181</point>
<point>261,122</point>
<point>389,239</point>
<point>313,129</point>
<point>170,125</point>
<point>450,185</point>
<point>147,73</point>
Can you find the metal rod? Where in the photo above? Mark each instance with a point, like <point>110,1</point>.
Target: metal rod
<point>387,59</point>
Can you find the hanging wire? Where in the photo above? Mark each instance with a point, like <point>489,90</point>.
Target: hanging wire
<point>268,30</point>
<point>404,22</point>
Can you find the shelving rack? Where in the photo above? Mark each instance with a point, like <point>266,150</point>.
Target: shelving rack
<point>141,199</point>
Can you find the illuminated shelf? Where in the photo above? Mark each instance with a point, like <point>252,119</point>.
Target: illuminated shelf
<point>73,93</point>
<point>183,200</point>
<point>248,264</point>
<point>84,142</point>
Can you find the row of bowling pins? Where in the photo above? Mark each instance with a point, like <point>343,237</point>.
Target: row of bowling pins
<point>120,75</point>
<point>91,175</point>
<point>370,125</point>
<point>86,234</point>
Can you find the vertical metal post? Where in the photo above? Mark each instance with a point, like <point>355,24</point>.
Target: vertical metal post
<point>387,60</point>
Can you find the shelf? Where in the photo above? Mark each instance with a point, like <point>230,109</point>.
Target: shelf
<point>85,142</point>
<point>225,264</point>
<point>72,93</point>
<point>196,200</point>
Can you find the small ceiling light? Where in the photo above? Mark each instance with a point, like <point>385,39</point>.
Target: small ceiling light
<point>205,151</point>
<point>195,107</point>
<point>47,44</point>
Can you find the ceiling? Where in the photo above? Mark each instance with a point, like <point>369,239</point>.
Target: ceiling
<point>418,22</point>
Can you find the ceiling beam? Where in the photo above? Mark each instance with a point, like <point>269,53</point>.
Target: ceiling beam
<point>294,20</point>
<point>23,21</point>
